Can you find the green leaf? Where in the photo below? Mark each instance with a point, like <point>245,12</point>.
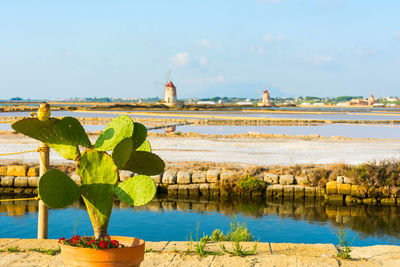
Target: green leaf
<point>147,163</point>
<point>139,134</point>
<point>44,131</point>
<point>145,146</point>
<point>71,129</point>
<point>57,190</point>
<point>97,167</point>
<point>98,200</point>
<point>136,191</point>
<point>117,130</point>
<point>122,152</point>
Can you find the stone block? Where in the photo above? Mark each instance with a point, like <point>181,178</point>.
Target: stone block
<point>184,177</point>
<point>199,177</point>
<point>212,176</point>
<point>320,192</point>
<point>125,175</point>
<point>214,190</point>
<point>351,200</point>
<point>286,179</point>
<point>331,188</point>
<point>227,177</point>
<point>18,190</point>
<point>348,180</point>
<point>370,201</point>
<point>373,192</point>
<point>298,191</point>
<point>388,201</point>
<point>169,177</point>
<point>21,182</point>
<point>3,170</point>
<point>7,181</point>
<point>183,190</point>
<point>173,189</point>
<point>309,192</point>
<point>194,189</point>
<point>344,189</point>
<point>33,172</point>
<point>156,178</point>
<point>275,191</point>
<point>340,179</point>
<point>358,191</point>
<point>271,178</point>
<point>302,180</point>
<point>288,191</point>
<point>335,199</point>
<point>204,189</point>
<point>16,170</point>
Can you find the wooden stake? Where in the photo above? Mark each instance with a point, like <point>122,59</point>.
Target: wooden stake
<point>43,216</point>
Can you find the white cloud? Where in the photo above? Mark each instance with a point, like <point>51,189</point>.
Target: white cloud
<point>316,59</point>
<point>319,59</point>
<point>180,59</point>
<point>208,44</point>
<point>269,38</point>
<point>259,49</point>
<point>280,38</point>
<point>202,60</point>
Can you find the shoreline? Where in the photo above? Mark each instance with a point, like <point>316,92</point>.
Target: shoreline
<point>175,253</point>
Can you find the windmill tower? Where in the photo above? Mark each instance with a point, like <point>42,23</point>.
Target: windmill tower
<point>265,99</point>
<point>170,94</point>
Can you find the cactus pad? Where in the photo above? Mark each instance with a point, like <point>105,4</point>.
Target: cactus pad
<point>97,167</point>
<point>139,134</point>
<point>117,130</point>
<point>71,129</point>
<point>136,191</point>
<point>147,163</point>
<point>122,152</point>
<point>58,190</point>
<point>44,131</point>
<point>145,146</point>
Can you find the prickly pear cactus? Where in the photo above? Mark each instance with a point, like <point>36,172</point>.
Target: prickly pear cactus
<point>98,170</point>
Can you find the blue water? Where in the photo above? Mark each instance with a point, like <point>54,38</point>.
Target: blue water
<point>170,224</point>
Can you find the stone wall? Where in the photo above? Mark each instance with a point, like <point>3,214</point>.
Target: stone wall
<point>219,184</point>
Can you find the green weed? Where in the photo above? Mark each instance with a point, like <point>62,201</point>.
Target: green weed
<point>13,249</point>
<point>51,252</point>
<point>343,247</point>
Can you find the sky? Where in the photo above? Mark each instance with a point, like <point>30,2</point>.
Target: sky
<point>67,49</point>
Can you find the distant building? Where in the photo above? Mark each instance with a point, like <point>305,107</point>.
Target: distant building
<point>265,100</point>
<point>358,102</point>
<point>205,103</point>
<point>244,103</point>
<point>371,100</point>
<point>170,94</point>
<point>220,101</point>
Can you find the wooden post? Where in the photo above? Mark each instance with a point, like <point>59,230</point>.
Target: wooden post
<point>44,151</point>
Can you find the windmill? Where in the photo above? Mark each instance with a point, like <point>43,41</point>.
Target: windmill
<point>163,84</point>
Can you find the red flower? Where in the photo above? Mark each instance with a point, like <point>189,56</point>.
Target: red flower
<point>115,243</point>
<point>60,241</point>
<point>103,244</point>
<point>90,242</point>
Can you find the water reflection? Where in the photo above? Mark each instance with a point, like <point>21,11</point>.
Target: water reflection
<point>367,221</point>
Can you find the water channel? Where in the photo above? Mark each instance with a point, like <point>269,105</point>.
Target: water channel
<point>174,219</point>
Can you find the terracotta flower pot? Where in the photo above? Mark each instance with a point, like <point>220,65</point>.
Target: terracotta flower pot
<point>131,255</point>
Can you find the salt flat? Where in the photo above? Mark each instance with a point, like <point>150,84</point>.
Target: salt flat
<point>242,151</point>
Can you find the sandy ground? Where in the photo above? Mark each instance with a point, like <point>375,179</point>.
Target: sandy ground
<point>263,152</point>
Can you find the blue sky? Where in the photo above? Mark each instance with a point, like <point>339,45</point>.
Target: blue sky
<point>63,49</point>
